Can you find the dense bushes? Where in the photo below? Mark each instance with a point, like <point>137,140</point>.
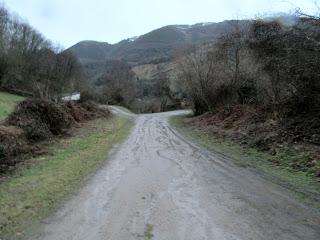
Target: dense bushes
<point>265,62</point>
<point>290,57</point>
<point>12,143</point>
<point>261,87</point>
<point>112,82</point>
<point>40,119</point>
<point>85,111</point>
<point>36,120</point>
<point>30,64</point>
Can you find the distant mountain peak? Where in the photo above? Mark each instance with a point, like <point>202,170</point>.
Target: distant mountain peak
<point>186,26</point>
<point>132,39</point>
<point>182,27</point>
<point>204,24</point>
<point>155,46</point>
<point>93,42</point>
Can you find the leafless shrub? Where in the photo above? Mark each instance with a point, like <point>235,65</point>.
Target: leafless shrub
<point>266,62</point>
<point>30,63</point>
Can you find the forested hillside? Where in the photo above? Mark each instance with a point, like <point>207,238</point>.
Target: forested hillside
<point>30,64</point>
<point>153,47</point>
<point>150,53</point>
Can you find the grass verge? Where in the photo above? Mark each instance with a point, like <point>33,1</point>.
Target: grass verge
<point>35,191</point>
<point>7,103</point>
<point>305,187</point>
<point>148,232</point>
<point>126,110</point>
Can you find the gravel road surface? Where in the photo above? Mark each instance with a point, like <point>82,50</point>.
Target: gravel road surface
<point>158,185</point>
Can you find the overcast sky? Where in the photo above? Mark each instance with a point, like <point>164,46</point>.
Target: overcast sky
<point>69,21</point>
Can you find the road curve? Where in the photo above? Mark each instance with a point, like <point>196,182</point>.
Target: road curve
<point>157,185</point>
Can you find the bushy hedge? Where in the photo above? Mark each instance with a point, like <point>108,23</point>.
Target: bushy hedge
<point>36,120</point>
<point>40,119</point>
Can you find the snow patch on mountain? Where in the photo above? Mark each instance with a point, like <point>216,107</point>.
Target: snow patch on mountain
<point>132,39</point>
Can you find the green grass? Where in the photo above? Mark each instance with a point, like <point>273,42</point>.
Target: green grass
<point>124,109</point>
<point>276,168</point>
<point>148,235</point>
<point>7,103</point>
<point>34,192</point>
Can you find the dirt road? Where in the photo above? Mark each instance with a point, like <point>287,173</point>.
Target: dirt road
<point>157,185</point>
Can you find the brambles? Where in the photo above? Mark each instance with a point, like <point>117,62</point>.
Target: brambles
<point>36,120</point>
<point>40,119</point>
<point>12,144</point>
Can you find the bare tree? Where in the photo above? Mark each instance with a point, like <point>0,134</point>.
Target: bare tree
<point>118,82</point>
<point>30,63</point>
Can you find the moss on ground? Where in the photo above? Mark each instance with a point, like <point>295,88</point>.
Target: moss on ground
<point>33,192</point>
<point>148,235</point>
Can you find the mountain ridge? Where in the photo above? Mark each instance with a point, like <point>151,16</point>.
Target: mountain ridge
<point>153,47</point>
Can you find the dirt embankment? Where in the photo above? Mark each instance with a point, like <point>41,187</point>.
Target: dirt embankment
<point>35,122</point>
<point>257,127</point>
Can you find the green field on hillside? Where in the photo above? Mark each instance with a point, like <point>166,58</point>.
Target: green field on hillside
<point>7,103</point>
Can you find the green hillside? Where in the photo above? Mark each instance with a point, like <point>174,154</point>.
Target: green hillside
<point>7,103</point>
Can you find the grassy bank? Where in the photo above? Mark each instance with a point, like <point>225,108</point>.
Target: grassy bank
<point>126,110</point>
<point>7,103</point>
<point>35,191</point>
<point>306,187</point>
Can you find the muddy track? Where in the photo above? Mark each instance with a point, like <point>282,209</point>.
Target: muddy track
<point>157,185</point>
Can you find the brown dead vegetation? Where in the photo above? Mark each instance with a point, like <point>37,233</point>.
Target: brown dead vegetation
<point>256,127</point>
<point>261,84</point>
<point>36,121</point>
<point>12,144</point>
